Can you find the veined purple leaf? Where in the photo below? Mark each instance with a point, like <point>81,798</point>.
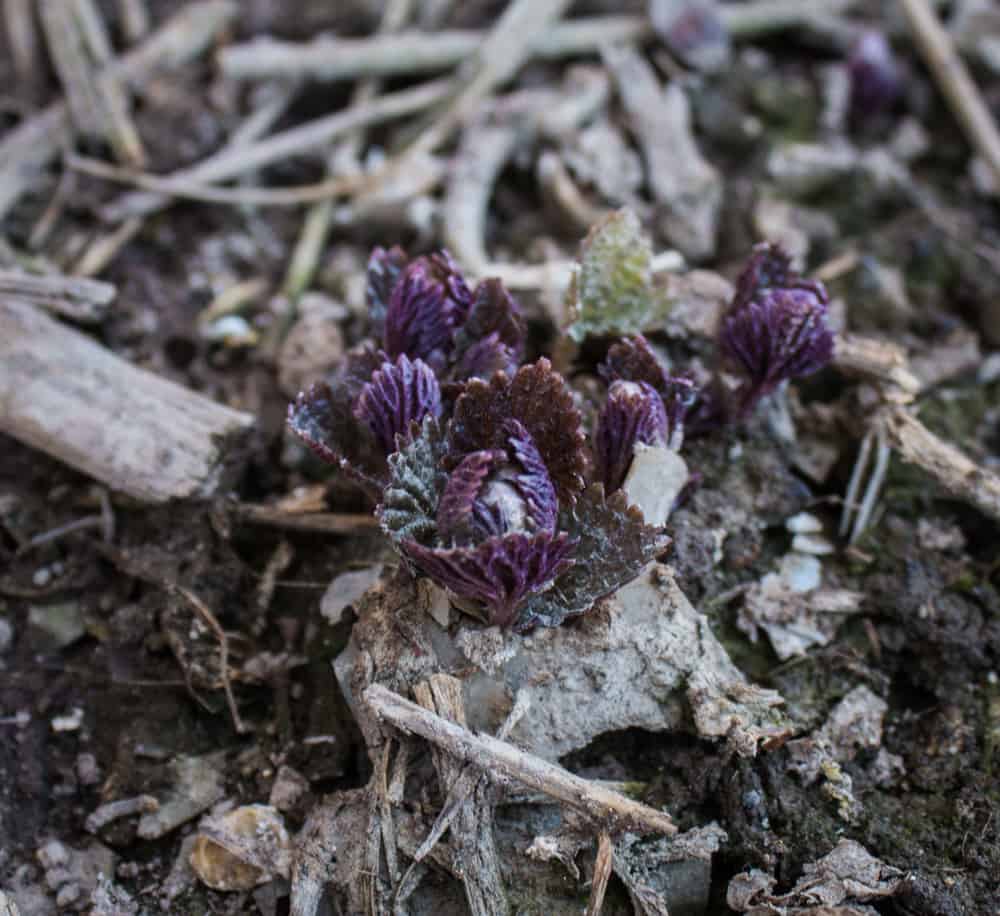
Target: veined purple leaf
<point>384,269</point>
<point>410,500</point>
<point>538,398</point>
<point>398,394</point>
<point>532,478</point>
<point>778,336</point>
<point>633,412</point>
<point>455,511</point>
<point>769,267</point>
<point>429,302</point>
<point>500,573</point>
<point>492,337</point>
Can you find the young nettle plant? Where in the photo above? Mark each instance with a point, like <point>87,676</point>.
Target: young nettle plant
<point>430,334</point>
<point>481,468</point>
<point>495,505</point>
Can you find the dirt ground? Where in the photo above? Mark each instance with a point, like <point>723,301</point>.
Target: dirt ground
<point>109,675</point>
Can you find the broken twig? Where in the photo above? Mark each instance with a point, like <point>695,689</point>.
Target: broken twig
<point>955,83</point>
<point>82,300</point>
<point>614,811</point>
<point>134,431</point>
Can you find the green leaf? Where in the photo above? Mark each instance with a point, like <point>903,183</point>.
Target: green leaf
<point>409,503</point>
<point>612,290</point>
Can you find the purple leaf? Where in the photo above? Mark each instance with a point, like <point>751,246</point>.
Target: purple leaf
<point>498,492</point>
<point>500,573</point>
<point>633,412</point>
<point>492,337</point>
<point>778,336</point>
<point>633,360</point>
<point>398,394</point>
<point>613,545</point>
<point>429,301</point>
<point>876,80</point>
<point>384,269</point>
<point>465,483</point>
<point>769,266</point>
<point>532,480</point>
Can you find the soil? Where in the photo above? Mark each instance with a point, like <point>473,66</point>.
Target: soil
<point>97,636</point>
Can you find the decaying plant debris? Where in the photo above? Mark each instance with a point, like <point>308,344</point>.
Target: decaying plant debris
<point>656,570</point>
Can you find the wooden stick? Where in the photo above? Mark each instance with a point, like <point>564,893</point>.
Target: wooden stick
<point>615,812</point>
<point>426,52</point>
<point>24,152</point>
<point>953,470</point>
<point>140,434</point>
<point>76,298</point>
<point>320,522</point>
<point>955,83</point>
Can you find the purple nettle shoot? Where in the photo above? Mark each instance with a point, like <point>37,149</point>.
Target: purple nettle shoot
<point>633,360</point>
<point>424,309</point>
<point>429,301</point>
<point>399,394</point>
<point>876,80</point>
<point>774,329</point>
<point>367,410</point>
<point>433,334</point>
<point>494,506</point>
<point>633,413</point>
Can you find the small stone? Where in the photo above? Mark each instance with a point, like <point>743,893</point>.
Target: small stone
<point>52,854</point>
<point>198,784</point>
<point>70,722</point>
<point>61,623</point>
<point>345,590</point>
<point>801,573</point>
<point>654,482</point>
<point>41,577</point>
<point>6,634</point>
<point>289,786</point>
<point>68,895</point>
<point>812,544</point>
<point>804,523</point>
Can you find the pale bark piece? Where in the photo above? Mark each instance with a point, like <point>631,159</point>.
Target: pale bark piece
<point>74,297</point>
<point>682,181</point>
<point>64,394</point>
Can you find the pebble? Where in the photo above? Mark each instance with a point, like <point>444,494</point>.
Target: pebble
<point>812,544</point>
<point>52,854</point>
<point>6,634</point>
<point>804,523</point>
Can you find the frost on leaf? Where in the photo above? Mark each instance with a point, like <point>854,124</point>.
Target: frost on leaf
<point>613,545</point>
<point>410,500</point>
<point>540,400</point>
<point>612,291</point>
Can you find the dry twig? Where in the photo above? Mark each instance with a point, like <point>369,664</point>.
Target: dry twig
<point>213,624</point>
<point>320,522</point>
<point>28,149</point>
<point>82,300</point>
<point>615,812</point>
<point>954,81</point>
<point>602,873</point>
<point>136,432</point>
